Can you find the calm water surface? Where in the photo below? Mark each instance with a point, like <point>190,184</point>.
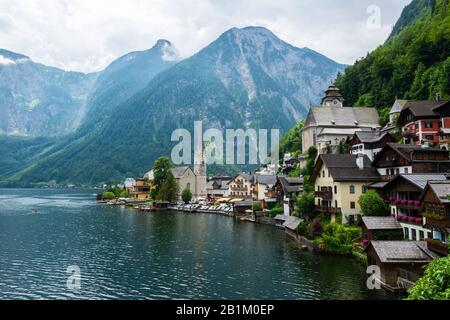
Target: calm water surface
<point>123,254</point>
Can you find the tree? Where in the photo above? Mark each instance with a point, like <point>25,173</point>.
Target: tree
<point>315,228</point>
<point>169,189</point>
<point>435,283</point>
<point>305,205</point>
<point>108,195</point>
<point>161,170</point>
<point>186,195</point>
<point>372,204</point>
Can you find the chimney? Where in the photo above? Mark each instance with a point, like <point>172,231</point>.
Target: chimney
<point>438,97</point>
<point>360,161</point>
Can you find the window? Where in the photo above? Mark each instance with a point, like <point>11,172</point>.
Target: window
<point>352,189</point>
<point>429,137</point>
<point>414,234</point>
<point>352,205</point>
<point>406,233</point>
<point>417,126</point>
<point>335,189</point>
<point>428,125</point>
<point>323,174</point>
<point>406,170</point>
<point>421,235</point>
<point>363,189</point>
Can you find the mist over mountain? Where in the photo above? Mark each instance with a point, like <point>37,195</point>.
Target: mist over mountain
<point>36,100</point>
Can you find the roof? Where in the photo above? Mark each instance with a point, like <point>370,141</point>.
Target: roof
<point>291,184</point>
<point>345,116</point>
<point>441,189</point>
<point>280,217</point>
<point>343,167</point>
<point>266,179</point>
<point>245,203</point>
<point>381,223</point>
<point>370,136</point>
<point>424,108</point>
<point>378,185</point>
<point>292,223</point>
<point>420,180</point>
<point>403,251</point>
<point>406,151</point>
<point>398,106</point>
<point>245,175</point>
<point>178,172</point>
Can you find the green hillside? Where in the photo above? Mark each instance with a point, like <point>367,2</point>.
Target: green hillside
<point>414,63</point>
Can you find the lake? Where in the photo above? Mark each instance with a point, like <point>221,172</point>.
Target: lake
<point>125,254</point>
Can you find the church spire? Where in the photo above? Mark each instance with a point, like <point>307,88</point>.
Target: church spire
<point>333,97</point>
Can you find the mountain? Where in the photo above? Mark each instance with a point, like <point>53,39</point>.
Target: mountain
<point>128,75</point>
<point>36,100</point>
<point>246,78</point>
<point>414,63</point>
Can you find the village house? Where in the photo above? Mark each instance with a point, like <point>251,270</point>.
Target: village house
<point>217,188</point>
<point>262,184</point>
<point>331,123</point>
<point>369,143</point>
<point>401,263</point>
<point>404,194</point>
<point>339,181</point>
<point>436,211</point>
<point>241,186</point>
<point>426,122</point>
<point>381,228</point>
<point>394,159</point>
<point>187,179</point>
<point>140,190</point>
<point>286,189</point>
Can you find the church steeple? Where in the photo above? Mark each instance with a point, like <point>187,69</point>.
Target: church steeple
<point>333,97</point>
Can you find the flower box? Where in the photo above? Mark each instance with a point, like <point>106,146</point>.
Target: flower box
<point>411,219</point>
<point>417,203</point>
<point>365,242</point>
<point>410,202</point>
<point>403,202</point>
<point>404,218</point>
<point>419,220</point>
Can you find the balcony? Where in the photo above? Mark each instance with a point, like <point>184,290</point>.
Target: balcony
<point>239,189</point>
<point>410,220</point>
<point>436,221</point>
<point>326,195</point>
<point>406,204</point>
<point>330,210</point>
<point>438,246</point>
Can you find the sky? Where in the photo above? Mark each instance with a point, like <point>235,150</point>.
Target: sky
<point>86,35</point>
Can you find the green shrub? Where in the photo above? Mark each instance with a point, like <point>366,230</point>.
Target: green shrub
<point>108,195</point>
<point>278,209</point>
<point>186,195</point>
<point>435,283</point>
<point>372,204</point>
<point>256,206</point>
<point>339,239</point>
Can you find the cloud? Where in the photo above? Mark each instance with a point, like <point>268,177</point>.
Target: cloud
<point>6,61</point>
<point>86,35</point>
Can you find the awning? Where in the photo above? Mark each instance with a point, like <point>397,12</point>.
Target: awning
<point>236,200</point>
